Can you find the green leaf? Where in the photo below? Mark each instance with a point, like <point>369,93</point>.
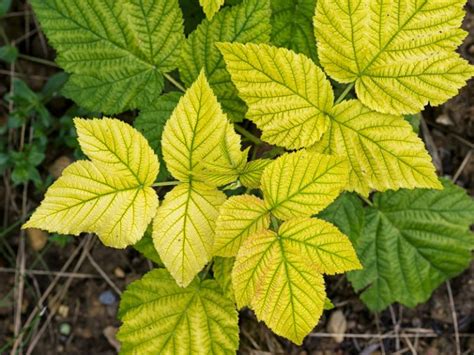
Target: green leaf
<point>239,217</point>
<point>161,318</point>
<point>288,96</point>
<point>145,246</point>
<point>111,194</point>
<point>383,151</point>
<point>411,242</point>
<point>8,53</point>
<point>5,6</point>
<point>292,26</point>
<point>302,184</point>
<point>152,120</point>
<point>222,269</point>
<point>247,22</point>
<point>400,54</point>
<point>116,51</point>
<point>211,7</point>
<point>278,275</point>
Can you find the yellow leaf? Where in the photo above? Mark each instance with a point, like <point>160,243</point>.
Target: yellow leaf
<point>400,54</point>
<point>251,174</point>
<point>383,151</point>
<point>110,195</point>
<point>193,133</point>
<point>287,94</point>
<point>302,184</point>
<point>211,7</point>
<point>183,229</point>
<point>239,217</point>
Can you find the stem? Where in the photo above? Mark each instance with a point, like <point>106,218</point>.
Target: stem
<point>254,139</point>
<point>174,82</point>
<point>275,223</point>
<point>166,183</point>
<point>366,200</point>
<point>38,60</point>
<point>346,91</point>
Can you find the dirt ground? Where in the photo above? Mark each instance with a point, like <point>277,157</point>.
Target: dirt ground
<point>73,310</point>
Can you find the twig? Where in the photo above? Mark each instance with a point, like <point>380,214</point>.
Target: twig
<point>431,146</point>
<point>396,328</point>
<point>89,244</point>
<point>455,318</point>
<point>463,165</point>
<point>377,325</point>
<point>38,60</point>
<point>410,345</point>
<point>103,274</point>
<point>54,273</point>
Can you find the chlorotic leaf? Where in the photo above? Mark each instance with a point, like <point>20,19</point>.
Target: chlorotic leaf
<point>330,251</point>
<point>194,132</point>
<point>227,169</point>
<point>239,217</point>
<point>382,150</point>
<point>251,174</point>
<point>161,318</point>
<point>111,195</point>
<point>116,51</point>
<point>210,7</point>
<point>264,75</point>
<point>246,22</point>
<point>280,284</point>
<point>222,269</point>
<point>183,229</point>
<point>412,241</point>
<point>292,26</point>
<point>400,54</point>
<point>302,184</point>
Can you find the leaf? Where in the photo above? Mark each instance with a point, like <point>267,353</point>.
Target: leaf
<point>194,132</point>
<point>383,151</point>
<point>292,26</point>
<point>251,174</point>
<point>278,275</point>
<point>151,123</point>
<point>183,229</point>
<point>302,184</point>
<point>116,51</point>
<point>411,242</point>
<point>222,269</point>
<point>227,169</point>
<point>211,7</point>
<point>111,195</point>
<point>399,54</point>
<point>287,94</point>
<point>239,217</point>
<point>147,249</point>
<point>246,22</point>
<point>161,318</point>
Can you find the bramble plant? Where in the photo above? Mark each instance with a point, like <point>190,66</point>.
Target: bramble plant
<point>234,230</point>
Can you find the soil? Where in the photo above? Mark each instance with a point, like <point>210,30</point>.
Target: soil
<point>86,314</point>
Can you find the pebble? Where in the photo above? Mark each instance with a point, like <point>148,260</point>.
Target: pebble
<point>65,329</point>
<point>107,298</point>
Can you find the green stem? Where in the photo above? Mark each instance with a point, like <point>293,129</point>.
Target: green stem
<point>38,60</point>
<point>166,183</point>
<point>174,82</point>
<point>346,91</point>
<point>254,139</point>
<point>275,223</point>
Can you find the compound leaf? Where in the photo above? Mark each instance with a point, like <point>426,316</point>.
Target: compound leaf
<point>292,26</point>
<point>382,150</point>
<point>111,195</point>
<point>278,275</point>
<point>239,217</point>
<point>210,7</point>
<point>251,174</point>
<point>287,94</point>
<point>302,184</point>
<point>116,51</point>
<point>222,269</point>
<point>400,54</point>
<point>246,22</point>
<point>194,132</point>
<point>161,318</point>
<point>183,229</point>
<point>411,242</point>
